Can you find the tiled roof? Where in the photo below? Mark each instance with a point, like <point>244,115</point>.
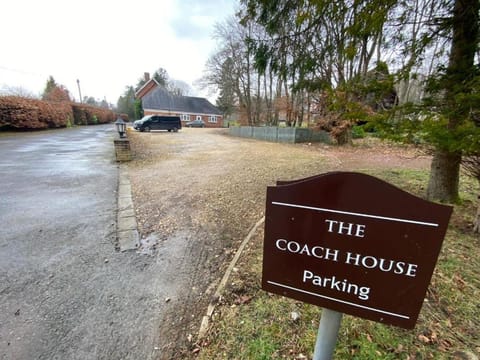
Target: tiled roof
<point>160,99</point>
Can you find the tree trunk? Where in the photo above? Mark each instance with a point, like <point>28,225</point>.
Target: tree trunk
<point>445,169</point>
<point>476,221</point>
<point>444,176</point>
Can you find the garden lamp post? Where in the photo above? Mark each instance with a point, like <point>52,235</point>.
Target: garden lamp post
<point>121,127</point>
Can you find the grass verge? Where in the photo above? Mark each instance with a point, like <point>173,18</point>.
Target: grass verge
<point>251,324</point>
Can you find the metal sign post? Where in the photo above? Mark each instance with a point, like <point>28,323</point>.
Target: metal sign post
<point>327,334</point>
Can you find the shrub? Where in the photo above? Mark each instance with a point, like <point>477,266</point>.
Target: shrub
<point>358,132</point>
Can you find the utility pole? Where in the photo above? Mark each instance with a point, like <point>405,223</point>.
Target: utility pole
<point>79,91</point>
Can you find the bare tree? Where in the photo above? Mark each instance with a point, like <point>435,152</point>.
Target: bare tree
<point>17,91</point>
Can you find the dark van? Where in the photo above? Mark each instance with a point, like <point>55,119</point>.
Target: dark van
<point>157,122</point>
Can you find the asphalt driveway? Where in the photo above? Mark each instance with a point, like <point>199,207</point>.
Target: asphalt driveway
<point>65,292</point>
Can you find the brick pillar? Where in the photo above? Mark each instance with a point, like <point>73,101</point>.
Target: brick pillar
<point>122,149</point>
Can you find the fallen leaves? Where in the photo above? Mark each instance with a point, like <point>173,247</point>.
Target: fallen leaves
<point>243,299</point>
<point>424,339</point>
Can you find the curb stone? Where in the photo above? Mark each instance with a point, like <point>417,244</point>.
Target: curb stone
<point>127,231</point>
<point>211,307</point>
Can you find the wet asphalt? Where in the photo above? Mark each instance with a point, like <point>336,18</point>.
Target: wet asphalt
<point>65,291</point>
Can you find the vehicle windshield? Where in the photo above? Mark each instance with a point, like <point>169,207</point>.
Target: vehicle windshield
<point>146,117</point>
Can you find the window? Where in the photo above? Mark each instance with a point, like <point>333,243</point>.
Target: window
<point>212,119</point>
<point>185,117</point>
<point>199,117</point>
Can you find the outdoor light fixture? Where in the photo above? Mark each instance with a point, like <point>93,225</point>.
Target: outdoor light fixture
<point>121,127</point>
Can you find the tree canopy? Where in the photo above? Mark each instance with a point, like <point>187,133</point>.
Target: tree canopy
<point>410,68</point>
<point>54,91</point>
<point>127,104</point>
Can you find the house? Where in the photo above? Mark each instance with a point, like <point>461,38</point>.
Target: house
<point>157,100</point>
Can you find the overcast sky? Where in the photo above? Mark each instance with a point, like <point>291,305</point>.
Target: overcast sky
<point>107,45</point>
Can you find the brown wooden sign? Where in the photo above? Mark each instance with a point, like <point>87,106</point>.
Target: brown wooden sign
<point>352,243</point>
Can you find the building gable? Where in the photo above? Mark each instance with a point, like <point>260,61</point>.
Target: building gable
<point>146,88</point>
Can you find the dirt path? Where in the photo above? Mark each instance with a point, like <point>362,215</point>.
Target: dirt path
<point>197,192</point>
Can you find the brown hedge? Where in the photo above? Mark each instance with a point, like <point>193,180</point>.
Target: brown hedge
<point>19,113</point>
<point>24,114</point>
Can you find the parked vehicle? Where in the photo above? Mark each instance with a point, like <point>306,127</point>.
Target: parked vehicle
<point>157,122</point>
<point>195,123</point>
<point>136,122</point>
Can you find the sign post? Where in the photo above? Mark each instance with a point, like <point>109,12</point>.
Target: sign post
<point>327,334</point>
<point>352,244</point>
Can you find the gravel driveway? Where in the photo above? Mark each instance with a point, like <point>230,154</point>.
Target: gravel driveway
<point>198,192</point>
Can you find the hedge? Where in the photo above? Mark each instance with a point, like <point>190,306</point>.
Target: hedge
<point>24,114</point>
<point>17,113</point>
<point>91,115</point>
